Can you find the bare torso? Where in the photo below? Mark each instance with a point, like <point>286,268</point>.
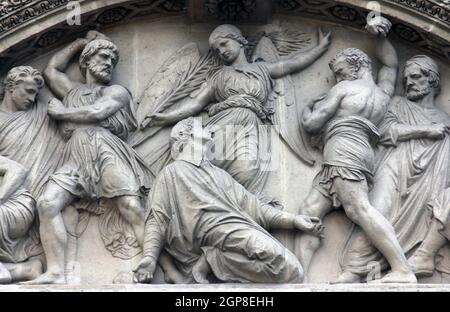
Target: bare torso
<point>362,98</point>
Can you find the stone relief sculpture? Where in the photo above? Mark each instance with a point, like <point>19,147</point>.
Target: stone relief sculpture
<point>213,227</point>
<point>423,259</point>
<point>238,94</point>
<point>29,145</point>
<point>97,164</point>
<point>19,253</point>
<point>92,151</point>
<point>348,117</point>
<point>412,166</point>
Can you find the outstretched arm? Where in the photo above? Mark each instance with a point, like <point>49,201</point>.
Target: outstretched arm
<point>113,99</point>
<point>318,112</point>
<point>13,176</point>
<point>386,54</point>
<point>300,60</point>
<point>188,107</point>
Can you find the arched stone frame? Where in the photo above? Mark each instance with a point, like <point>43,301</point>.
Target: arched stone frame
<point>120,12</point>
<point>29,27</point>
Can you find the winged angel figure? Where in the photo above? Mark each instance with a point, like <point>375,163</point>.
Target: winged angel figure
<point>241,83</point>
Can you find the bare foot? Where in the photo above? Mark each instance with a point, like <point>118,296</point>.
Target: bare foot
<point>201,270</point>
<point>47,278</point>
<point>33,270</point>
<point>399,277</point>
<point>422,264</point>
<point>5,276</point>
<point>347,278</point>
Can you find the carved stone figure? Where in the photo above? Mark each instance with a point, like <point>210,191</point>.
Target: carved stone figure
<point>412,163</point>
<point>348,117</point>
<point>211,225</point>
<point>238,94</point>
<point>28,146</point>
<point>97,164</point>
<point>18,250</point>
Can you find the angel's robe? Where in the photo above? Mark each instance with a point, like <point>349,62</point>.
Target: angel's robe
<point>30,138</point>
<point>196,209</point>
<point>409,175</point>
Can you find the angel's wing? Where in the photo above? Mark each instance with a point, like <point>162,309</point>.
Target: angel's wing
<point>181,74</point>
<point>287,111</point>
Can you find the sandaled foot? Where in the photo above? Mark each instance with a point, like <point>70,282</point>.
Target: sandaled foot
<point>422,264</point>
<point>347,278</point>
<point>47,278</point>
<point>5,276</point>
<point>399,277</point>
<point>200,271</point>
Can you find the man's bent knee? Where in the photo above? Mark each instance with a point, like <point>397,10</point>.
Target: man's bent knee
<point>357,213</point>
<point>131,207</point>
<point>48,206</point>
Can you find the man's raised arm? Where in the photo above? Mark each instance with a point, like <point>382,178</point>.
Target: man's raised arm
<point>58,82</point>
<point>386,54</point>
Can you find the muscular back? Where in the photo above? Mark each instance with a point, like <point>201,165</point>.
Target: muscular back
<point>362,98</point>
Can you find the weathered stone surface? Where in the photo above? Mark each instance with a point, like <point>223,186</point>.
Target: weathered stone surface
<point>171,60</point>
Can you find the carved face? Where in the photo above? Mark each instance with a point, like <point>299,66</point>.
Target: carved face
<point>227,49</point>
<point>24,93</point>
<point>344,71</point>
<point>417,84</point>
<point>101,66</point>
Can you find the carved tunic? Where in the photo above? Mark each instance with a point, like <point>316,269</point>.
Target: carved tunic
<point>98,164</point>
<point>242,94</point>
<point>411,175</point>
<point>348,153</point>
<point>197,209</point>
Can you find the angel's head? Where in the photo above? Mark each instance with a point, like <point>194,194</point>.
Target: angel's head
<point>350,64</point>
<point>227,41</point>
<point>98,60</point>
<point>21,87</point>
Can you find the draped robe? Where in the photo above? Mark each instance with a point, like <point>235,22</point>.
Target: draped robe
<point>30,138</point>
<point>409,175</point>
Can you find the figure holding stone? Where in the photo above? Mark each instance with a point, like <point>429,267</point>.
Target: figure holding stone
<point>412,168</point>
<point>348,117</point>
<point>99,166</point>
<point>211,225</point>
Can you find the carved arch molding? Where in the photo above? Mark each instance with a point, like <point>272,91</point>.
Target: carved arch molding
<point>31,27</point>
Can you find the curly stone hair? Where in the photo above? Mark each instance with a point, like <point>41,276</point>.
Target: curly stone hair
<point>17,75</point>
<point>93,47</point>
<point>354,57</point>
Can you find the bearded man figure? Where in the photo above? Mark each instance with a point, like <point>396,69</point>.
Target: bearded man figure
<point>412,173</point>
<point>98,166</point>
